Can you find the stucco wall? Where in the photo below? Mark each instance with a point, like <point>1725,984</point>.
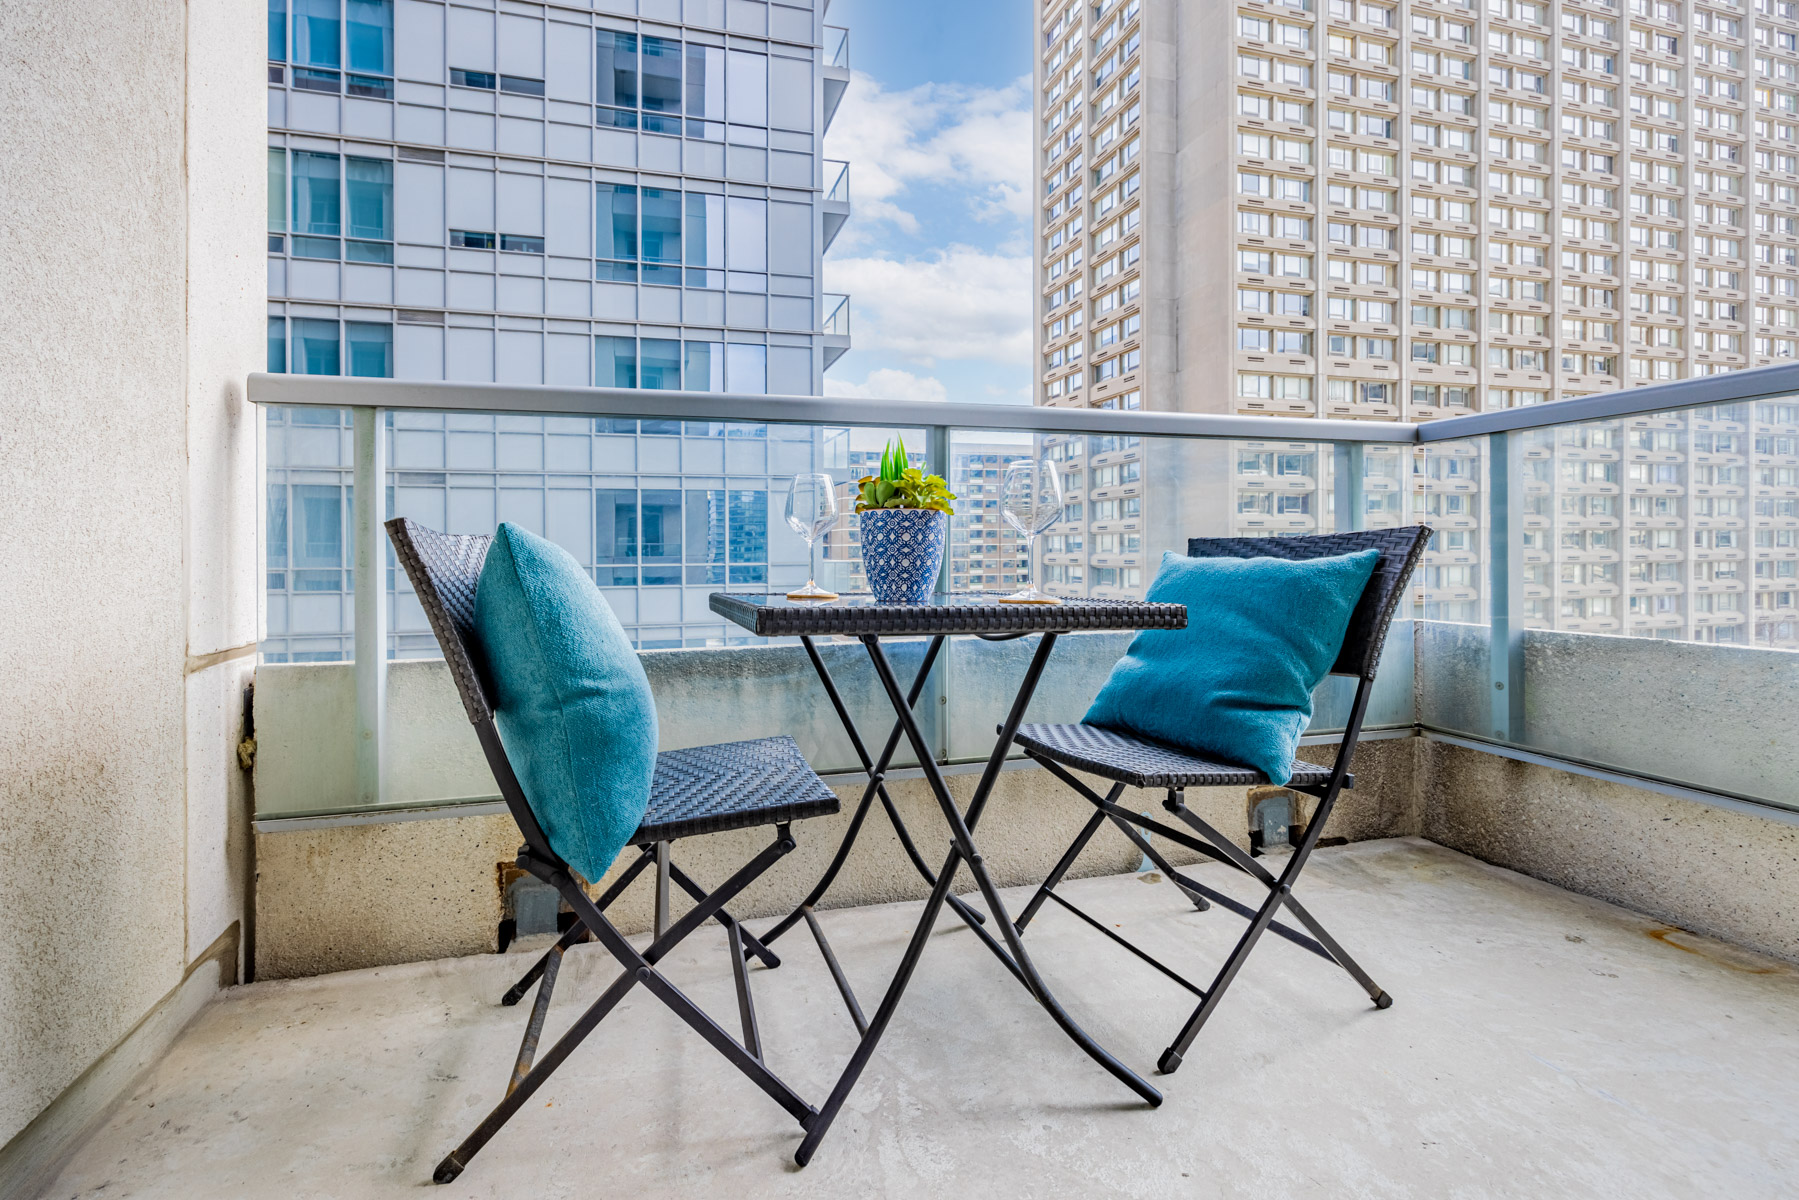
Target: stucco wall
<point>127,307</point>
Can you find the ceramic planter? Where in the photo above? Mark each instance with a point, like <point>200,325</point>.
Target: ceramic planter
<point>902,551</point>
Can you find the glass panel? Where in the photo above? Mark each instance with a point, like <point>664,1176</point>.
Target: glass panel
<point>318,526</point>
<point>748,247</point>
<point>746,369</point>
<point>1129,500</point>
<point>661,363</point>
<point>617,69</point>
<point>369,188</point>
<point>316,33</point>
<point>705,91</point>
<point>277,30</point>
<point>277,190</point>
<point>315,346</point>
<point>705,240</point>
<point>277,345</point>
<point>615,524</point>
<point>614,362</point>
<point>705,367</point>
<point>747,97</point>
<point>370,35</point>
<point>617,220</point>
<point>662,236</point>
<point>316,202</point>
<point>661,85</point>
<point>371,349</point>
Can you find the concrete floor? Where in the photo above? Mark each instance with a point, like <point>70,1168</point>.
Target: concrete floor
<point>1541,1044</point>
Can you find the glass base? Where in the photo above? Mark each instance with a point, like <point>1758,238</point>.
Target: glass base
<point>811,592</point>
<point>1030,595</point>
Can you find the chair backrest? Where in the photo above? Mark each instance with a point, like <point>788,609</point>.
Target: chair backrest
<point>445,569</point>
<point>1400,549</point>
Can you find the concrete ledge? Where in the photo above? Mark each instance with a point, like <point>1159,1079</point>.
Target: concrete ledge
<point>352,896</point>
<point>1716,871</point>
<point>36,1153</point>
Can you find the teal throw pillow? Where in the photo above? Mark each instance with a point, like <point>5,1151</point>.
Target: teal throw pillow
<point>1235,685</point>
<point>570,698</point>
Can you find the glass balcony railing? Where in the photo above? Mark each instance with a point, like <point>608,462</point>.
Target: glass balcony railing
<point>837,46</point>
<point>837,181</point>
<point>1613,584</point>
<point>837,314</point>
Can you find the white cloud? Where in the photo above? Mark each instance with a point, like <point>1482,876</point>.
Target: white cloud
<point>889,383</point>
<point>960,303</point>
<point>935,134</point>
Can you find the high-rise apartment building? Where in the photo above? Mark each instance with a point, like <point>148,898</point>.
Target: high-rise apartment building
<point>1391,211</point>
<point>630,193</point>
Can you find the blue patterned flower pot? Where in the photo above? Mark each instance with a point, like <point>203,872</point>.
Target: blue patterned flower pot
<point>902,551</point>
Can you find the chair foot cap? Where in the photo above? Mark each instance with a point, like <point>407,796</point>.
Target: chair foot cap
<point>1169,1063</point>
<point>1383,1001</point>
<point>447,1171</point>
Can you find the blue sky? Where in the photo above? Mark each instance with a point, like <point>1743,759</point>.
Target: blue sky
<point>936,256</point>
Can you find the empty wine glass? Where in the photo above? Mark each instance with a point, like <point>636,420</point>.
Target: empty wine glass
<point>812,509</point>
<point>1031,501</point>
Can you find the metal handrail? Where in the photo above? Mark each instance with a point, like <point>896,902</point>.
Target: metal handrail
<point>334,391</point>
<point>331,391</point>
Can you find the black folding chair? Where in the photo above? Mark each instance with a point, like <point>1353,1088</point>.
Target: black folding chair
<point>705,789</point>
<point>1138,762</point>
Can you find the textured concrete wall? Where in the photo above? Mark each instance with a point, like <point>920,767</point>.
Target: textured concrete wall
<point>1715,871</point>
<point>127,307</point>
<point>368,895</point>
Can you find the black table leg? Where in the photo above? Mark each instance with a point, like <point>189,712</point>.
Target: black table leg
<point>962,850</point>
<point>875,768</point>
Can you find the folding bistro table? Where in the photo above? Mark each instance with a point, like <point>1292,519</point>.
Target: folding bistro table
<point>983,616</point>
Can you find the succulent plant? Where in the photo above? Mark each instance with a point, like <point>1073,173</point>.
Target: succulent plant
<point>902,486</point>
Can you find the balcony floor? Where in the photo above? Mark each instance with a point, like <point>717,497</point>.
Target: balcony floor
<point>1541,1044</point>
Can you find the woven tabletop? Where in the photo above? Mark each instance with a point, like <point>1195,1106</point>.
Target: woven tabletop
<point>854,613</point>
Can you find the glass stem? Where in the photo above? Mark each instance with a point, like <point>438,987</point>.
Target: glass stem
<point>812,562</point>
<point>1030,560</point>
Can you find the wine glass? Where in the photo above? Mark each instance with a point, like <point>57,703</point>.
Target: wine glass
<point>811,509</point>
<point>1031,501</point>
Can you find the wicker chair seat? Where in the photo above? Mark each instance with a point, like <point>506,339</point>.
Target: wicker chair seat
<point>1142,763</point>
<point>732,785</point>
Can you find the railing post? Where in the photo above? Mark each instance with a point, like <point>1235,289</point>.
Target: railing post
<point>1348,500</point>
<point>369,508</point>
<point>1505,554</point>
<point>936,699</point>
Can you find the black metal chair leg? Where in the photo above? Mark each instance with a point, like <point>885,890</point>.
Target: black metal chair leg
<point>639,968</point>
<point>751,943</point>
<point>1061,868</point>
<point>579,932</point>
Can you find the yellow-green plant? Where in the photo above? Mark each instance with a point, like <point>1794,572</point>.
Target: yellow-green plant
<point>901,486</point>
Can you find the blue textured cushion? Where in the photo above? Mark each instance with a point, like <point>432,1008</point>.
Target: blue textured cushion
<point>571,701</point>
<point>1235,685</point>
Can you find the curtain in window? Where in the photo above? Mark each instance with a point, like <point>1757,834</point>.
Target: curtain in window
<point>369,34</point>
<point>278,31</point>
<point>315,346</point>
<point>371,349</point>
<point>316,33</point>
<point>316,205</point>
<point>369,188</point>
